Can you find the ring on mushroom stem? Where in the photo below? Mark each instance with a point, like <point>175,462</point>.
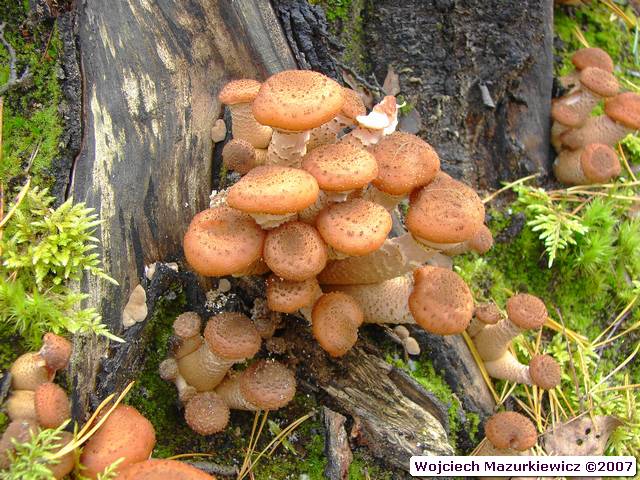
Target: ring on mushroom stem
<point>294,102</point>
<point>381,121</point>
<point>596,163</point>
<point>239,95</point>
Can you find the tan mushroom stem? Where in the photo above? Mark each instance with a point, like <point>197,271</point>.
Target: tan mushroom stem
<point>508,367</point>
<point>382,198</point>
<point>328,133</point>
<point>269,221</point>
<point>287,147</point>
<point>384,302</point>
<point>493,341</point>
<point>600,129</point>
<point>557,130</point>
<point>229,391</point>
<point>306,311</point>
<point>396,257</point>
<point>170,372</point>
<point>483,315</point>
<point>203,369</point>
<point>245,127</point>
<point>309,214</point>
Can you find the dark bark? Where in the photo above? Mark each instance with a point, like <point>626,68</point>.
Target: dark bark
<point>336,445</point>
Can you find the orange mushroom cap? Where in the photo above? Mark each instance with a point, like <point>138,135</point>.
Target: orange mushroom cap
<point>52,405</point>
<point>599,163</point>
<point>340,167</point>
<point>624,109</point>
<point>440,301</point>
<point>268,384</point>
<point>239,91</point>
<point>297,100</point>
<point>527,311</point>
<point>154,469</point>
<point>55,351</point>
<point>232,336</point>
<point>222,241</point>
<point>124,434</point>
<point>598,81</point>
<point>336,319</point>
<point>488,313</point>
<point>510,430</point>
<point>206,413</point>
<point>287,296</point>
<point>355,227</point>
<point>545,372</point>
<point>592,57</point>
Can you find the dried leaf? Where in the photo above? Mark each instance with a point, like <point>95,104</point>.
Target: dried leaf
<point>411,122</point>
<point>365,93</point>
<point>580,436</point>
<point>391,84</point>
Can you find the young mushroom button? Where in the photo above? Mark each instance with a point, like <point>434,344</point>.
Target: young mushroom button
<point>206,413</point>
<point>596,163</point>
<point>509,431</point>
<point>336,319</point>
<point>154,469</point>
<point>294,102</point>
<point>288,297</point>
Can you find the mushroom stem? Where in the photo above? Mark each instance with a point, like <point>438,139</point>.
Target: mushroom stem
<point>600,129</point>
<point>170,372</point>
<point>309,214</point>
<point>557,130</point>
<point>493,341</point>
<point>229,391</point>
<point>567,168</point>
<point>287,147</point>
<point>507,367</point>
<point>203,369</point>
<point>245,127</point>
<point>306,310</point>
<point>381,198</point>
<point>270,221</point>
<point>396,257</point>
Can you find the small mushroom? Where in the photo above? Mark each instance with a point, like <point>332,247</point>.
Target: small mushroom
<point>239,95</point>
<point>154,469</point>
<point>596,163</point>
<point>20,405</point>
<point>52,406</point>
<point>125,434</point>
<point>169,372</point>
<point>240,156</point>
<point>28,371</point>
<point>484,314</point>
<point>264,385</point>
<point>336,319</point>
<point>206,413</point>
<point>288,297</point>
<point>18,431</point>
<point>136,308</point>
<point>294,102</point>
<point>508,433</point>
<point>186,330</point>
<point>273,194</point>
<point>583,58</point>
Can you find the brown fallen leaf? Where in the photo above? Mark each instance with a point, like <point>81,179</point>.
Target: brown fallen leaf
<point>391,84</point>
<point>365,94</point>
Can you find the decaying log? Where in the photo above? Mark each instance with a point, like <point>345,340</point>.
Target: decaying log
<point>336,445</point>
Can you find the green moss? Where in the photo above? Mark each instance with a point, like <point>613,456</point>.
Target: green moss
<point>335,9</point>
<point>31,116</point>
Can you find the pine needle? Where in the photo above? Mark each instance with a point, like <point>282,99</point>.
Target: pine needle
<point>625,162</point>
<point>580,36</point>
<point>509,186</point>
<point>480,363</point>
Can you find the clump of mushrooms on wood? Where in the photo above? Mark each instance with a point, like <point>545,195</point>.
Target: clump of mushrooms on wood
<point>312,214</point>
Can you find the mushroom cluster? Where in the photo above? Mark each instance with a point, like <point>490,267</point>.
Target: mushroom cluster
<point>35,401</point>
<point>201,366</point>
<point>584,142</point>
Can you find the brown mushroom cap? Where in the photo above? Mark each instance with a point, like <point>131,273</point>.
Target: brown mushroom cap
<point>355,227</point>
<point>336,319</point>
<point>488,313</point>
<point>599,81</point>
<point>297,100</point>
<point>526,311</point>
<point>19,431</point>
<point>545,371</point>
<point>20,404</point>
<point>445,211</point>
<point>273,189</point>
<point>206,413</point>
<point>295,251</point>
<point>239,91</point>
<point>440,301</point>
<point>124,434</point>
<point>28,371</point>
<point>52,405</point>
<point>340,167</point>
<point>624,109</point>
<point>482,240</point>
<point>222,241</point>
<point>187,325</point>
<point>232,336</point>
<point>353,105</point>
<point>239,155</point>
<point>592,57</point>
<point>405,162</point>
<point>268,384</point>
<point>510,430</point>
<point>599,163</point>
<point>55,351</point>
<point>288,297</point>
<point>154,469</point>
<point>565,114</point>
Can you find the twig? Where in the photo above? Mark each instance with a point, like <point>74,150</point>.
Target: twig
<point>13,81</point>
<point>215,469</point>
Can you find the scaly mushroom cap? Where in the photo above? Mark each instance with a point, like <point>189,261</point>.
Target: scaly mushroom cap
<point>162,470</point>
<point>239,155</point>
<point>295,251</point>
<point>355,227</point>
<point>445,211</point>
<point>239,91</point>
<point>336,319</point>
<point>353,105</point>
<point>20,405</point>
<point>55,351</point>
<point>124,434</point>
<point>545,371</point>
<point>222,241</point>
<point>273,189</point>
<point>232,336</point>
<point>288,297</point>
<point>624,109</point>
<point>488,313</point>
<point>340,167</point>
<point>405,162</point>
<point>168,369</point>
<point>440,301</point>
<point>28,371</point>
<point>52,405</point>
<point>510,430</point>
<point>482,240</point>
<point>592,57</point>
<point>599,163</point>
<point>19,431</point>
<point>187,325</point>
<point>599,81</point>
<point>563,113</point>
<point>206,413</point>
<point>268,384</point>
<point>297,100</point>
<point>526,311</point>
